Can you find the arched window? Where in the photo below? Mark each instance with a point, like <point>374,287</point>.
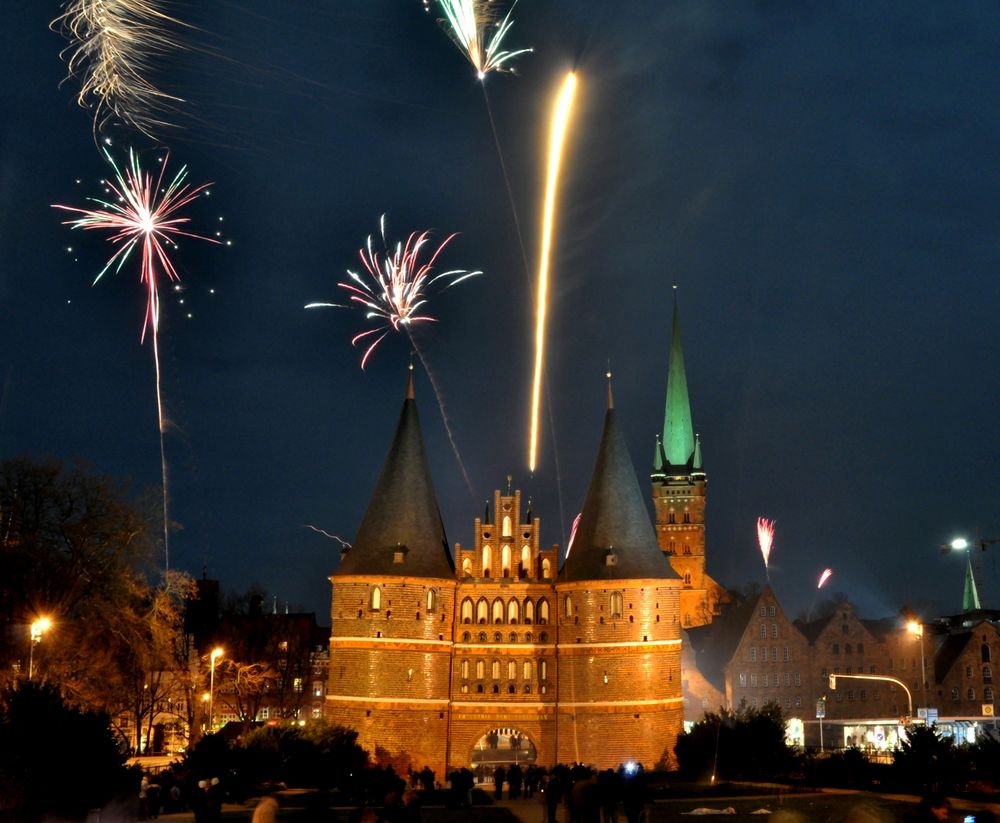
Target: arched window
<point>526,670</point>
<point>497,637</point>
<point>617,604</point>
<point>985,653</point>
<point>431,600</point>
<point>513,611</point>
<point>687,578</point>
<point>487,561</point>
<point>529,611</point>
<point>480,669</point>
<point>506,527</point>
<point>505,560</point>
<point>511,670</point>
<point>465,669</point>
<point>546,569</point>
<point>495,670</point>
<point>375,599</point>
<point>543,670</point>
<point>466,637</point>
<point>543,637</point>
<point>498,611</point>
<point>513,637</point>
<point>687,548</point>
<point>525,561</point>
<point>987,673</point>
<point>543,611</point>
<point>467,610</point>
<point>482,611</point>
<point>568,607</point>
<point>467,567</point>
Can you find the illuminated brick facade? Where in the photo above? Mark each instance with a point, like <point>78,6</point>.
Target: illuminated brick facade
<point>430,657</point>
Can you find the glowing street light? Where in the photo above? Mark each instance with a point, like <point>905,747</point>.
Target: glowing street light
<point>38,629</point>
<point>216,653</point>
<point>916,628</point>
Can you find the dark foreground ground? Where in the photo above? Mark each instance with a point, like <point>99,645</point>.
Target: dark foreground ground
<point>821,807</point>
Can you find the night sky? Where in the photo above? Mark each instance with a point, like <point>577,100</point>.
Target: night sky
<point>820,179</point>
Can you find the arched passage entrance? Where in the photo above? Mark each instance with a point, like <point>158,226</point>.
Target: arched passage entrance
<point>501,747</point>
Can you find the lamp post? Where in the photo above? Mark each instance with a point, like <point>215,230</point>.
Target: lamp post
<point>38,629</point>
<point>216,653</point>
<point>916,628</point>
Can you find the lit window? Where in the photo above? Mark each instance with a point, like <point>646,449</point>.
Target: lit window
<point>753,680</point>
<point>546,569</point>
<point>513,611</point>
<point>375,599</point>
<point>317,713</point>
<point>431,600</point>
<point>511,670</point>
<point>487,561</point>
<point>784,654</point>
<point>763,631</point>
<point>467,610</point>
<point>569,606</point>
<point>618,605</point>
<point>482,610</point>
<point>495,670</point>
<point>297,685</point>
<point>526,670</point>
<point>480,669</point>
<point>498,611</point>
<point>753,654</point>
<point>465,669</point>
<point>743,680</point>
<point>774,631</point>
<point>543,669</point>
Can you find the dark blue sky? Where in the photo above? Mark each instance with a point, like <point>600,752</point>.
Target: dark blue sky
<point>820,178</point>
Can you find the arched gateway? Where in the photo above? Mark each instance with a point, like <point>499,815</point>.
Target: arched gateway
<point>501,747</point>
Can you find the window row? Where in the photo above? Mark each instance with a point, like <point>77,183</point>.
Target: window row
<point>502,566</point>
<point>847,670</point>
<point>616,606</point>
<point>513,611</point>
<point>528,669</point>
<point>787,701</point>
<point>970,694</point>
<point>764,680</point>
<point>375,599</point>
<point>785,655</point>
<point>849,649</point>
<point>763,631</point>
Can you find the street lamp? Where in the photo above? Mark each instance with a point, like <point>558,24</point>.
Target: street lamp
<point>916,628</point>
<point>38,629</point>
<point>216,653</point>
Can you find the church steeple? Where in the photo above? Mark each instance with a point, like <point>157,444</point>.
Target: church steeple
<point>402,533</point>
<point>970,596</point>
<point>678,442</point>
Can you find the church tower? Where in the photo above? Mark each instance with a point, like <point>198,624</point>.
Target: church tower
<point>393,607</point>
<point>679,483</point>
<point>618,638</point>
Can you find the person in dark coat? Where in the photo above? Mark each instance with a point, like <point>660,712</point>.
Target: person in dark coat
<point>514,779</point>
<point>499,775</point>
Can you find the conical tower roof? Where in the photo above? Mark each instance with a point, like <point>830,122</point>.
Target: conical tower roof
<point>403,521</point>
<point>678,432</point>
<point>615,538</point>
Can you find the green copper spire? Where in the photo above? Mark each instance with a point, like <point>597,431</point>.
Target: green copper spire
<point>970,597</point>
<point>678,433</point>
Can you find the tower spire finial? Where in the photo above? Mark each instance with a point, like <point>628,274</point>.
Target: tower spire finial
<point>409,380</point>
<point>611,399</point>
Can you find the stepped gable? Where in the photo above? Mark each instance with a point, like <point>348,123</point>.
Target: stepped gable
<point>615,539</point>
<point>402,533</point>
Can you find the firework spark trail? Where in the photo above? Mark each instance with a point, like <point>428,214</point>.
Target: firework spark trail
<point>557,137</point>
<point>826,575</point>
<point>113,45</point>
<point>765,539</point>
<point>325,533</point>
<point>394,294</point>
<point>468,21</point>
<point>144,215</point>
<point>444,415</point>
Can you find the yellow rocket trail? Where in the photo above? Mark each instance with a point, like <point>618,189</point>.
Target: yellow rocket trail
<point>557,137</point>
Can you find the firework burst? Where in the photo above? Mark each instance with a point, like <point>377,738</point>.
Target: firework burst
<point>478,30</point>
<point>826,575</point>
<point>392,287</point>
<point>765,539</point>
<point>113,45</point>
<point>144,214</point>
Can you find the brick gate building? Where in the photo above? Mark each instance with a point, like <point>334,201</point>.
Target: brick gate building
<point>500,654</point>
